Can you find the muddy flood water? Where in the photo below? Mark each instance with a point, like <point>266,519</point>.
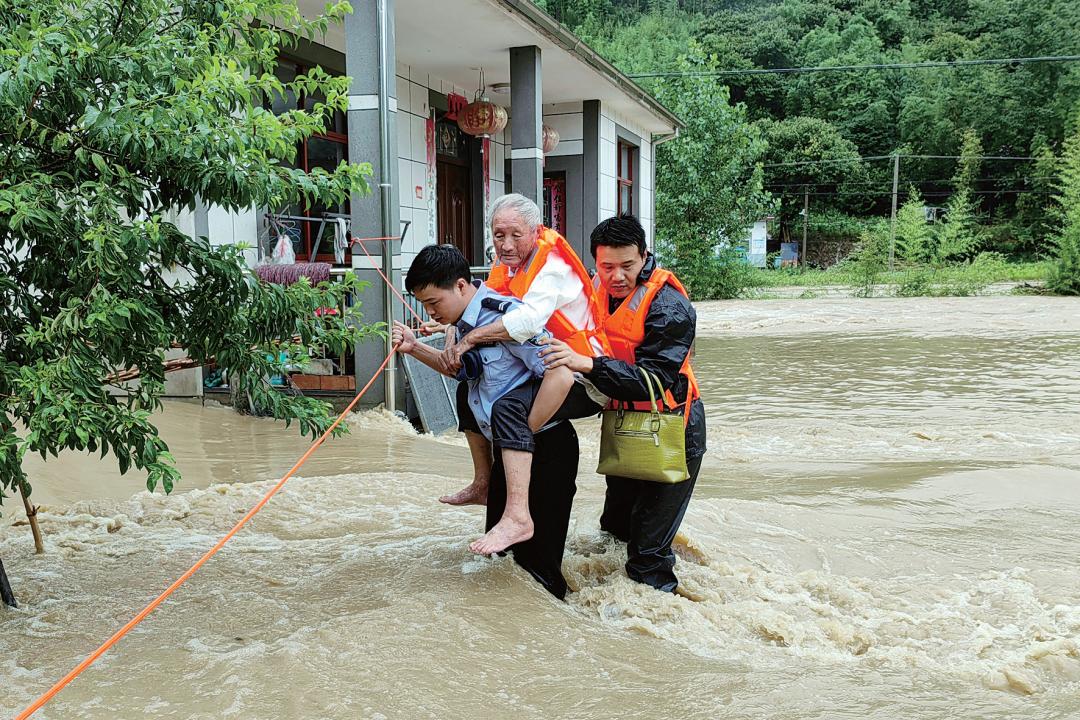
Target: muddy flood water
<point>887,525</point>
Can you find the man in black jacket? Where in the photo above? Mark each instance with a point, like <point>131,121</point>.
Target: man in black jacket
<point>646,515</point>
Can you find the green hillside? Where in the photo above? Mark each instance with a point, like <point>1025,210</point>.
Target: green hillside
<point>856,120</point>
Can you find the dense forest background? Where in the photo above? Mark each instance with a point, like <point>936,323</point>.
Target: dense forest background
<point>783,139</point>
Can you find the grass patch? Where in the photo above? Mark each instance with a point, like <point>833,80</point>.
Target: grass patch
<point>912,281</point>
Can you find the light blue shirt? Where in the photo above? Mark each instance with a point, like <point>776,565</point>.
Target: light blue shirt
<point>507,364</point>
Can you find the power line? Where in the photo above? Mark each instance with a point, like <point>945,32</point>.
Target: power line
<point>941,181</point>
<point>943,193</point>
<point>849,68</point>
<point>829,162</point>
<point>890,157</point>
<point>972,157</point>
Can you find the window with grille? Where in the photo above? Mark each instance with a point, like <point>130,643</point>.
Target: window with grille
<point>325,150</point>
<point>626,176</point>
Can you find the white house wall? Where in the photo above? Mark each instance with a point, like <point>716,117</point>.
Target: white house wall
<point>567,120</point>
<point>228,228</point>
<point>609,169</point>
<point>420,206</point>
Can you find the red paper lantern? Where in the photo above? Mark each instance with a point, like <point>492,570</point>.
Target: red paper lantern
<point>551,139</point>
<point>482,118</point>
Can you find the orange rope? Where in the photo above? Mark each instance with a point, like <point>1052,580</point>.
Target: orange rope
<point>36,705</point>
<point>374,239</point>
<point>52,692</point>
<point>357,241</point>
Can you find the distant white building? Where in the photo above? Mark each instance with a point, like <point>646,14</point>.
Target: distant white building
<point>757,239</point>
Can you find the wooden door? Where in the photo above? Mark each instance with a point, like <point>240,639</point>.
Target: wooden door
<point>555,201</point>
<point>455,207</point>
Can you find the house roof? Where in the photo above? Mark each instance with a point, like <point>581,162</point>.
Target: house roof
<point>451,40</point>
<point>571,43</point>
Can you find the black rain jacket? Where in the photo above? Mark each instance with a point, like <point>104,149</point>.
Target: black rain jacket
<point>670,327</point>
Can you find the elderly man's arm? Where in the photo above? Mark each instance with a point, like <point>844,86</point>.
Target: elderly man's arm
<point>450,359</point>
<point>554,286</point>
<point>405,342</point>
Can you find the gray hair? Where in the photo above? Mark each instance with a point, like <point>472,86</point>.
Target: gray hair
<point>520,204</point>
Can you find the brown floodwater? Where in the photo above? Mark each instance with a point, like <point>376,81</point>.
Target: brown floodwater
<point>886,525</point>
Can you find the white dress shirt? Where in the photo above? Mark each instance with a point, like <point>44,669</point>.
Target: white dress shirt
<point>555,287</point>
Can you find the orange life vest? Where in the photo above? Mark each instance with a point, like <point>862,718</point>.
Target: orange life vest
<point>558,325</point>
<point>625,330</point>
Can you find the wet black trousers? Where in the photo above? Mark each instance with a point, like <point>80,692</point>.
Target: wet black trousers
<point>510,413</point>
<point>551,494</point>
<point>646,515</point>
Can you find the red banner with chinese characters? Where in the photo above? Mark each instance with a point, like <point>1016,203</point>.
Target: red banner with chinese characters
<point>457,103</point>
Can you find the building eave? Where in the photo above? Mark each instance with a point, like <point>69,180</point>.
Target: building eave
<point>550,28</point>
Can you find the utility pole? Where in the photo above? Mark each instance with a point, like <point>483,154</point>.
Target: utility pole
<point>386,200</point>
<point>892,225</point>
<point>805,222</point>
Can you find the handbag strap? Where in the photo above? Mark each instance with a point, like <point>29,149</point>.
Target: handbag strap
<point>654,393</point>
<point>649,380</point>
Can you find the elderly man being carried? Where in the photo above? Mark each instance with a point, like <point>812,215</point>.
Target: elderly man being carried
<point>536,265</point>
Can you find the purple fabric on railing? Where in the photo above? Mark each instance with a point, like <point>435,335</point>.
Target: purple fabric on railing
<point>288,274</point>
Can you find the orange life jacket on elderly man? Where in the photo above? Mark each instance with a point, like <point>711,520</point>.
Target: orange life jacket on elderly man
<point>586,340</point>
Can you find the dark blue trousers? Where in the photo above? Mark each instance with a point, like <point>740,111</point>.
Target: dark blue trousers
<point>646,515</point>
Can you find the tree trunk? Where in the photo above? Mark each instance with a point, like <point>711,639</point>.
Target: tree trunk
<point>31,515</point>
<point>6,595</point>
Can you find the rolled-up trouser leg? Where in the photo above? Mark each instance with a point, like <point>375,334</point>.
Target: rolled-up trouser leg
<point>657,512</point>
<point>550,499</point>
<point>510,414</point>
<point>510,420</point>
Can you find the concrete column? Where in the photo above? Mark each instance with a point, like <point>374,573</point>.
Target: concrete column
<point>590,155</point>
<point>362,64</point>
<point>527,122</point>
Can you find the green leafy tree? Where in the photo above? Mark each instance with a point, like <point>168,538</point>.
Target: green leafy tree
<point>870,259</point>
<point>861,105</point>
<point>970,162</point>
<point>810,153</point>
<point>914,236</point>
<point>708,186</point>
<point>668,29</point>
<point>1032,223</point>
<point>1015,109</point>
<point>113,117</point>
<point>1065,278</point>
<point>959,236</point>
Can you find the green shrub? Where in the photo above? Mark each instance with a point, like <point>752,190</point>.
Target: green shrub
<point>958,236</point>
<point>869,261</point>
<point>1065,276</point>
<point>914,236</point>
<point>915,283</point>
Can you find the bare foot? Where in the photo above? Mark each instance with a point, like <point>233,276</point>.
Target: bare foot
<point>474,494</point>
<point>507,532</point>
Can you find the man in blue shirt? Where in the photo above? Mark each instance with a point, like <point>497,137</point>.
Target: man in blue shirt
<point>440,278</point>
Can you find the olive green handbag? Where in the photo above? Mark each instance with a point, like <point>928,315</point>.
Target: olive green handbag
<point>646,445</point>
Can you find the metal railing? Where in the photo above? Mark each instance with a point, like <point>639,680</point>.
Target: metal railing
<point>478,273</point>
